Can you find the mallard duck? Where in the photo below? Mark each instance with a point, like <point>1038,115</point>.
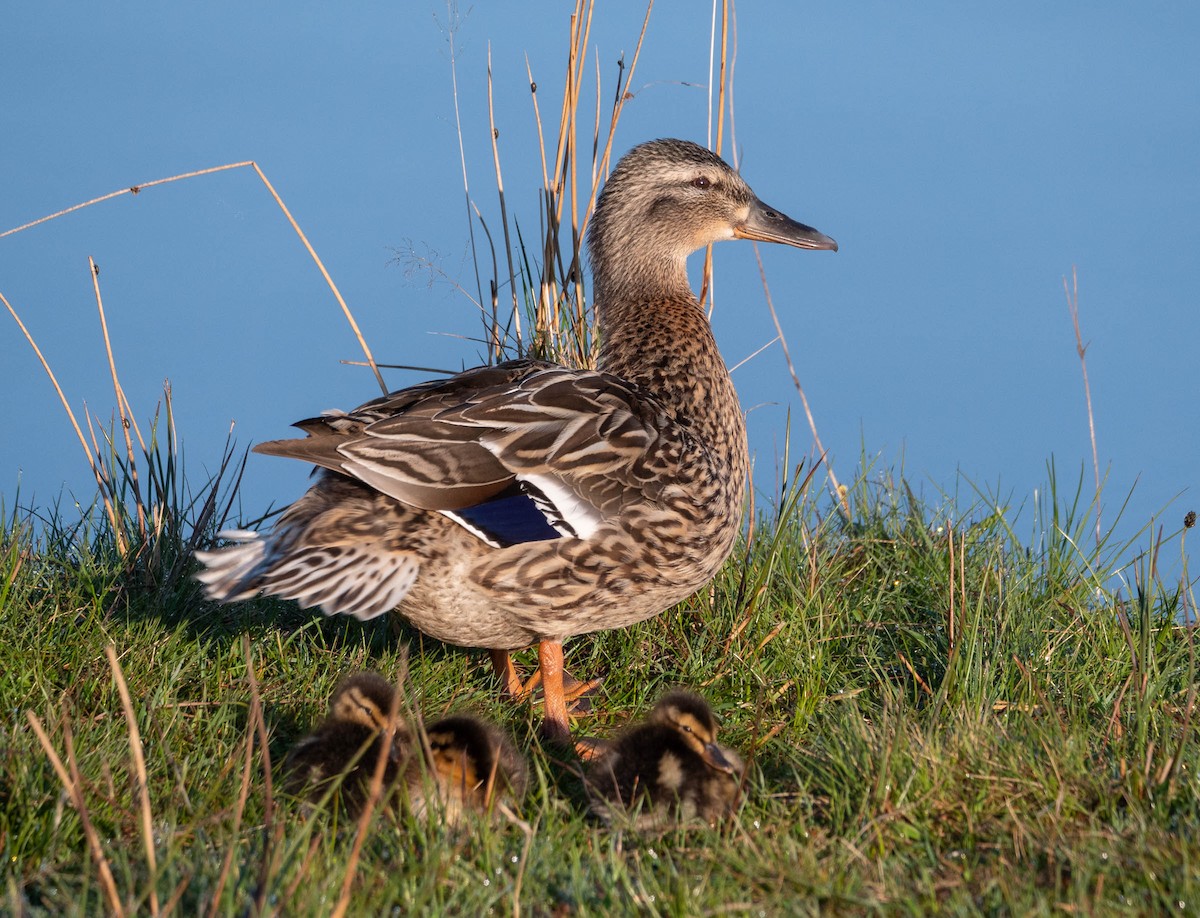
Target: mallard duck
<point>469,765</point>
<point>342,752</point>
<point>667,771</point>
<point>525,503</point>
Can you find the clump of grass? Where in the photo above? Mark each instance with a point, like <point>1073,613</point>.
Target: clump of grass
<point>149,518</point>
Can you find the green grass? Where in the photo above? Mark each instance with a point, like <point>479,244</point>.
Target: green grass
<point>1043,762</point>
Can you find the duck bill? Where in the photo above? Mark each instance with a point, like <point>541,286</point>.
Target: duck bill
<point>716,758</point>
<point>766,224</point>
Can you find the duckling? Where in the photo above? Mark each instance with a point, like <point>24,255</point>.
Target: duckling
<point>469,764</point>
<point>346,746</point>
<point>527,503</point>
<point>669,770</point>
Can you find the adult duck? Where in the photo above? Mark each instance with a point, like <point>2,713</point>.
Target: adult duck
<point>526,502</point>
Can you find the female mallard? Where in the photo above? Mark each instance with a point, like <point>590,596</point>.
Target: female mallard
<point>526,502</point>
<point>469,765</point>
<point>668,770</point>
<point>341,754</point>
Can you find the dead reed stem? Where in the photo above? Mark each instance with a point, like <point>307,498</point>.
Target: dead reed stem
<point>916,675</point>
<point>133,189</point>
<point>950,629</point>
<point>91,458</point>
<point>260,729</point>
<point>451,27</point>
<point>73,786</point>
<point>512,278</point>
<point>1081,349</point>
<point>138,761</point>
<point>787,356</point>
<point>362,342</point>
<point>706,284</point>
<point>137,189</point>
<point>601,171</point>
<point>238,812</point>
<point>123,409</point>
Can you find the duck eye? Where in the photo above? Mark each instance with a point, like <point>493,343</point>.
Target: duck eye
<point>701,181</point>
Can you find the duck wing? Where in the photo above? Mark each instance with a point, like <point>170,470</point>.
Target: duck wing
<point>518,452</point>
<point>456,477</point>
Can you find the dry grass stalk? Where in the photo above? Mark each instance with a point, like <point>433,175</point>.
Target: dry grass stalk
<point>951,621</point>
<point>138,761</point>
<point>137,189</point>
<point>243,795</point>
<point>787,356</point>
<point>706,283</point>
<point>73,785</point>
<point>512,278</point>
<point>92,459</point>
<point>530,834</point>
<point>260,729</point>
<point>362,342</point>
<point>562,323</point>
<point>127,418</point>
<point>1072,295</point>
<point>133,189</point>
<point>451,29</point>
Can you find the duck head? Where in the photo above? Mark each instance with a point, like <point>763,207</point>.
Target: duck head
<point>668,198</point>
<point>690,716</point>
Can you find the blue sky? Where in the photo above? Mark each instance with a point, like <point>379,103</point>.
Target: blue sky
<point>965,156</point>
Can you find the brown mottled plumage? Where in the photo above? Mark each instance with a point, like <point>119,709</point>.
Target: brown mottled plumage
<point>468,765</point>
<point>526,503</point>
<point>667,771</point>
<point>340,755</point>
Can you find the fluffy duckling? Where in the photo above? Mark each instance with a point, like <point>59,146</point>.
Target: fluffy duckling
<point>469,765</point>
<point>669,770</point>
<point>346,746</point>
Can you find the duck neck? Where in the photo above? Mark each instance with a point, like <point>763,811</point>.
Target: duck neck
<point>661,339</point>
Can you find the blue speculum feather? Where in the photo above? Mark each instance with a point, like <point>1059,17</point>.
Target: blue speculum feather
<point>509,519</point>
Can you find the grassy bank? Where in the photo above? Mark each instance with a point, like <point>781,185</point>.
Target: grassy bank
<point>939,718</point>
